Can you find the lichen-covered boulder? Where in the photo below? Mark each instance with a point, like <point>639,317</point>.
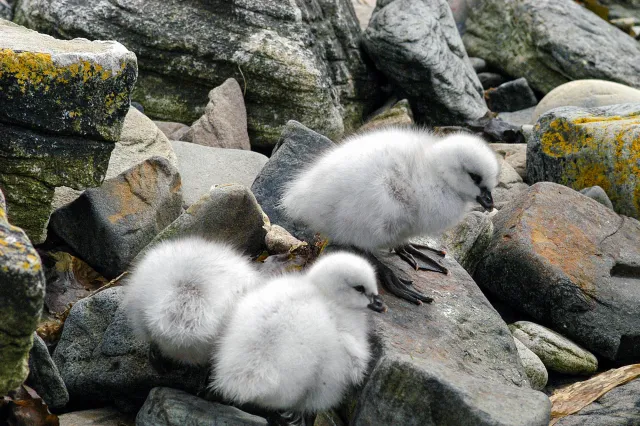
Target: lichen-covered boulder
<point>583,147</point>
<point>416,44</point>
<point>569,262</point>
<point>550,42</point>
<point>22,286</point>
<point>62,107</point>
<point>296,59</point>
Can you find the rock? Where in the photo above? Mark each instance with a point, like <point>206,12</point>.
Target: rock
<point>511,96</point>
<point>618,407</point>
<point>571,263</point>
<point>398,114</point>
<point>586,94</point>
<point>510,185</point>
<point>467,241</point>
<point>97,417</point>
<point>279,240</point>
<point>415,43</point>
<point>514,154</point>
<point>518,118</point>
<point>580,147</point>
<point>6,11</point>
<point>535,369</point>
<point>622,8</point>
<point>228,213</point>
<point>460,9</point>
<point>433,375</point>
<point>363,9</point>
<point>296,59</point>
<point>553,51</point>
<point>101,361</point>
<point>63,106</point>
<point>173,131</point>
<point>224,123</point>
<point>44,376</point>
<point>137,106</point>
<point>21,298</point>
<point>490,79</point>
<point>202,167</point>
<point>297,148</point>
<point>556,352</point>
<point>479,65</point>
<point>598,194</point>
<point>171,407</point>
<point>109,225</point>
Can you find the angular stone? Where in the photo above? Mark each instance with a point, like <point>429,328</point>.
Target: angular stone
<point>398,114</point>
<point>556,352</point>
<point>510,184</point>
<point>44,376</point>
<point>165,406</point>
<point>598,194</point>
<point>580,147</point>
<point>228,213</point>
<point>514,154</point>
<point>570,262</point>
<point>297,148</point>
<point>297,59</point>
<point>201,167</point>
<point>587,94</point>
<point>109,225</point>
<point>76,87</point>
<point>416,44</point>
<point>22,286</point>
<point>172,130</point>
<point>97,417</point>
<point>279,240</point>
<point>433,375</point>
<point>535,369</point>
<point>490,79</point>
<point>467,241</point>
<point>554,49</point>
<point>101,361</point>
<point>224,123</point>
<point>511,96</point>
<point>479,65</point>
<point>518,118</point>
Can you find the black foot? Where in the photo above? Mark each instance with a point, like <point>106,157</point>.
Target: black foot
<point>289,418</point>
<point>409,252</point>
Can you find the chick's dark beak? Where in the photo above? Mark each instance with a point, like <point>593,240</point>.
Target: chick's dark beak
<point>485,199</point>
<point>377,304</point>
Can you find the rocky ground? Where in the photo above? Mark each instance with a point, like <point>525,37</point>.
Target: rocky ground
<point>190,117</point>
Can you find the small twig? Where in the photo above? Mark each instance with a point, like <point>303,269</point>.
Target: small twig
<point>110,283</point>
<point>243,79</point>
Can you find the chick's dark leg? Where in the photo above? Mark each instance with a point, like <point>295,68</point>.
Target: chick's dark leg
<point>410,252</point>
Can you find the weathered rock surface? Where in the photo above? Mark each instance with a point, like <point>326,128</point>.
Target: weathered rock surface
<point>533,367</point>
<point>556,352</point>
<point>416,44</point>
<point>298,59</point>
<point>432,375</point>
<point>97,417</point>
<point>514,154</point>
<point>62,105</point>
<point>278,240</point>
<point>511,96</point>
<point>6,11</point>
<point>201,167</point>
<point>587,94</point>
<point>224,123</point>
<point>172,130</point>
<point>109,225</point>
<point>101,360</point>
<point>518,118</point>
<point>21,297</point>
<point>298,146</point>
<point>171,407</point>
<point>545,41</point>
<point>580,147</point>
<point>228,213</point>
<point>598,194</point>
<point>618,407</point>
<point>570,263</point>
<point>467,241</point>
<point>510,184</point>
<point>398,114</point>
<point>44,376</point>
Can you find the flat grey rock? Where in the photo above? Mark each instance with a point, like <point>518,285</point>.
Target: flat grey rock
<point>202,167</point>
<point>44,376</point>
<point>511,96</point>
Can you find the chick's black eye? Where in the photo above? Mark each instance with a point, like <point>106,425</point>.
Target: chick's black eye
<point>359,288</point>
<point>476,178</point>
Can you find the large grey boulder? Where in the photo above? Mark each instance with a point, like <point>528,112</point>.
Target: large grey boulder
<point>298,147</point>
<point>44,376</point>
<point>171,407</point>
<point>22,287</point>
<point>416,44</point>
<point>449,363</point>
<point>62,107</point>
<point>109,225</point>
<point>296,59</point>
<point>550,42</point>
<point>101,361</point>
<point>583,147</point>
<point>571,263</point>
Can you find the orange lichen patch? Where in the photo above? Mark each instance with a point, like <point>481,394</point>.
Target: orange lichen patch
<point>130,192</point>
<point>32,69</point>
<point>568,248</point>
